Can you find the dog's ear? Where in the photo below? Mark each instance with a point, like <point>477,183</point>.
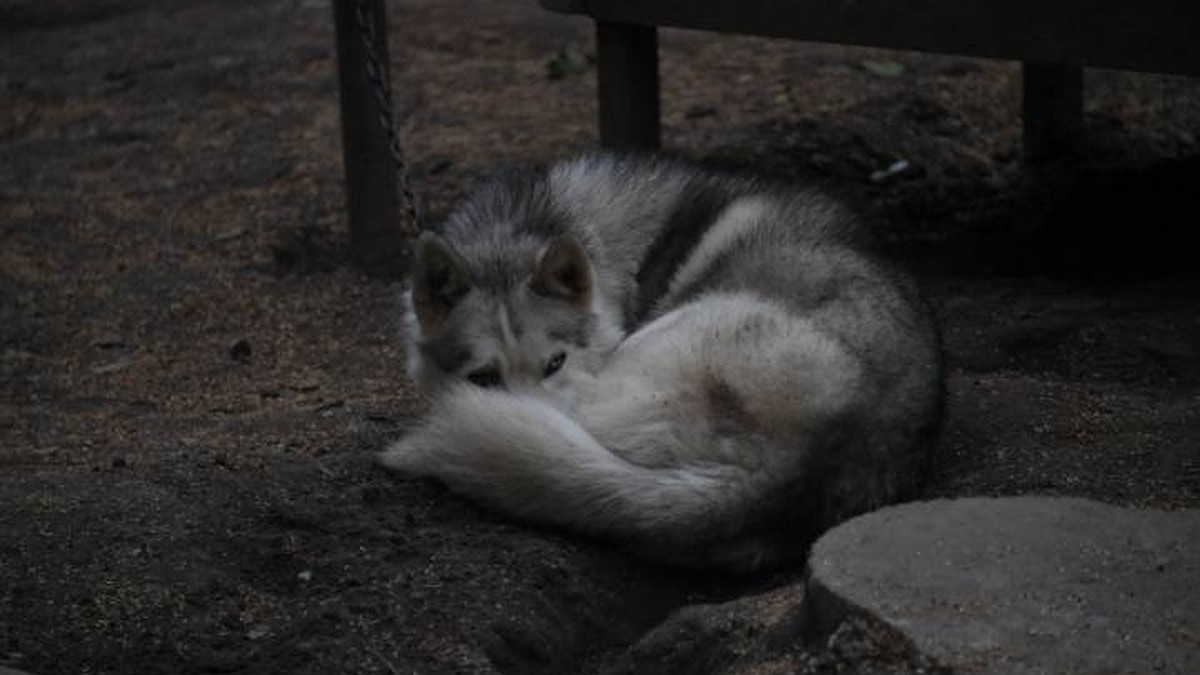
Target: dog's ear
<point>563,271</point>
<point>440,279</point>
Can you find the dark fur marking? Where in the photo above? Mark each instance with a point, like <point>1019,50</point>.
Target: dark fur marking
<point>575,334</point>
<point>700,203</point>
<point>503,220</point>
<point>719,269</point>
<point>725,406</point>
<point>524,194</point>
<point>448,354</point>
<point>514,323</point>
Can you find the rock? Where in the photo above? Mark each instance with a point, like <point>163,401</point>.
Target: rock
<point>894,169</point>
<point>230,234</point>
<point>240,351</point>
<point>567,62</point>
<point>1020,585</point>
<point>109,341</point>
<point>115,366</point>
<point>766,634</point>
<point>715,638</point>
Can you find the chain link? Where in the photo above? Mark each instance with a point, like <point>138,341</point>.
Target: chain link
<point>377,72</point>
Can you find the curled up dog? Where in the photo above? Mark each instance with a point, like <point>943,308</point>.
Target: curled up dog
<point>706,368</point>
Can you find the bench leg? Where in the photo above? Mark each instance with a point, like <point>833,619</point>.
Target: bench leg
<point>627,85</point>
<point>1053,110</point>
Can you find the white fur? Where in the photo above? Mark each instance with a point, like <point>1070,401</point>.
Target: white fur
<point>637,456</point>
<point>523,455</point>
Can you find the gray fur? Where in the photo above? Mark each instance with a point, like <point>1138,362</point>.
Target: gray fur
<point>739,374</point>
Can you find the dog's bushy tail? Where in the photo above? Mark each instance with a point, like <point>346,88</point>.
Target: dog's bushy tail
<point>524,456</point>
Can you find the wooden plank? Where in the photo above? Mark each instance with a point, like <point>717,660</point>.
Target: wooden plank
<point>566,6</point>
<point>377,235</point>
<point>1053,110</point>
<point>627,86</point>
<point>1152,35</point>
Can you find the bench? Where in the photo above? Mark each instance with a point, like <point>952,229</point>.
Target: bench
<point>1053,39</point>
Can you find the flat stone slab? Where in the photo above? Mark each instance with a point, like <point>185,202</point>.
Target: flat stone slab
<point>1022,584</point>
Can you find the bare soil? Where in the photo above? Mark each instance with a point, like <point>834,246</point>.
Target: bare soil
<point>194,376</point>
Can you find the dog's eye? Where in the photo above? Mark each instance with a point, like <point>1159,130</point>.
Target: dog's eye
<point>554,364</point>
<point>486,377</point>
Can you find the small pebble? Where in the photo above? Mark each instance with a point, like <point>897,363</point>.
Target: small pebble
<point>240,351</point>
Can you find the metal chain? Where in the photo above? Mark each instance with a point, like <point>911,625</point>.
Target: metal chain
<point>382,88</point>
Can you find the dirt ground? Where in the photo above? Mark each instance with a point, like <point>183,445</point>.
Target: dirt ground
<point>193,376</point>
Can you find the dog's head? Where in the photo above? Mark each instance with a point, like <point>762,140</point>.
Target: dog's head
<point>516,315</point>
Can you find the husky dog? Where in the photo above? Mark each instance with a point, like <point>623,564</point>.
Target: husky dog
<point>707,368</point>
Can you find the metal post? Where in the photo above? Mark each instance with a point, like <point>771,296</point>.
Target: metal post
<point>627,85</point>
<point>377,233</point>
<point>1053,110</point>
